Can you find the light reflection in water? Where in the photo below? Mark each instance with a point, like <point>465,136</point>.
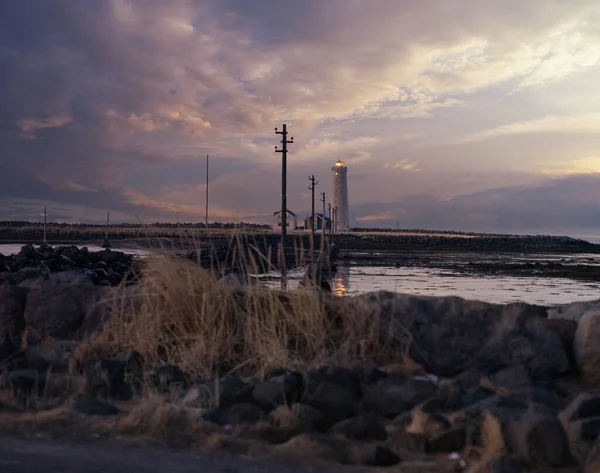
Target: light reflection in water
<point>341,281</point>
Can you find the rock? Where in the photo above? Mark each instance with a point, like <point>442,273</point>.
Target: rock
<point>27,382</point>
<point>244,413</point>
<point>30,252</point>
<point>539,439</point>
<point>573,311</point>
<point>286,388</point>
<point>31,384</point>
<point>583,406</point>
<point>117,378</point>
<point>585,346</point>
<point>58,310</point>
<point>337,450</point>
<point>565,329</point>
<point>396,394</point>
<point>511,378</point>
<point>334,393</point>
<point>296,418</point>
<point>493,429</point>
<point>401,440</point>
<point>221,392</point>
<point>169,377</point>
<point>56,357</point>
<point>427,425</point>
<point>450,335</point>
<point>8,350</point>
<point>506,464</point>
<point>94,407</point>
<point>592,461</point>
<point>581,422</point>
<point>373,455</point>
<point>448,441</point>
<point>368,373</point>
<point>365,428</point>
<point>12,313</point>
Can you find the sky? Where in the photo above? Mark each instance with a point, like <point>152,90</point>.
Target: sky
<point>474,115</point>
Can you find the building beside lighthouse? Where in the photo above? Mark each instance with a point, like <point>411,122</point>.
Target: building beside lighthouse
<point>340,196</point>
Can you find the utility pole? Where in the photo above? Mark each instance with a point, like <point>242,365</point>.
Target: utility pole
<point>106,243</point>
<point>330,227</point>
<point>45,218</point>
<point>283,151</point>
<point>206,215</point>
<point>313,184</point>
<point>323,221</point>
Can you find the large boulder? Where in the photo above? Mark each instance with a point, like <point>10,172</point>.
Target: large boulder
<point>573,311</point>
<point>450,335</point>
<point>585,345</point>
<point>58,308</point>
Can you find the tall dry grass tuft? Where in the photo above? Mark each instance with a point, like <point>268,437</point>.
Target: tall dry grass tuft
<point>180,314</point>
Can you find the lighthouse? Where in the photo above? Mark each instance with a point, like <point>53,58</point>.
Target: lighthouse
<point>340,196</point>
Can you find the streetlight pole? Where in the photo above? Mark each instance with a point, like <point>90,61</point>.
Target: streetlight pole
<point>283,151</point>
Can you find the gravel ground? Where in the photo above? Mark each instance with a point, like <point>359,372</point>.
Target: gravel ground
<point>20,455</point>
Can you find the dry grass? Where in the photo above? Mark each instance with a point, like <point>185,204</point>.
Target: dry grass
<point>179,314</point>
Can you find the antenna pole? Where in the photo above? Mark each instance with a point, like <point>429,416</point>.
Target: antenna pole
<point>283,150</point>
<point>206,215</point>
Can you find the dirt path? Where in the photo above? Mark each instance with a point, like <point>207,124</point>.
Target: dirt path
<point>33,455</point>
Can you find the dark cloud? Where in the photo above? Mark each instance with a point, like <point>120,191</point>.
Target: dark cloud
<point>568,204</point>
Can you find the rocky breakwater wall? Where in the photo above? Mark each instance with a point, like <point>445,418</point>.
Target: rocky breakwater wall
<point>460,386</point>
<point>105,267</point>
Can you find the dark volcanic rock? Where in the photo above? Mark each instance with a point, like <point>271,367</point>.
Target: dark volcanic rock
<point>58,309</point>
<point>116,378</point>
<point>94,407</point>
<point>448,441</point>
<point>539,439</point>
<point>56,357</point>
<point>506,464</point>
<point>244,413</point>
<point>450,335</point>
<point>223,392</point>
<point>397,394</point>
<point>334,392</point>
<point>366,428</point>
<point>286,388</point>
<point>169,377</point>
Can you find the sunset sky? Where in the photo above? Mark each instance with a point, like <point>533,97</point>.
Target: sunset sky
<point>476,115</point>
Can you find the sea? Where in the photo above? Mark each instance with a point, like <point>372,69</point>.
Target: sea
<point>354,278</point>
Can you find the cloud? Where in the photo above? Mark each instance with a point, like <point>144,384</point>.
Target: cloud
<point>115,104</point>
<point>566,205</point>
<point>579,124</point>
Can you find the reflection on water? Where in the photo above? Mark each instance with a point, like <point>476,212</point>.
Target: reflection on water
<point>341,281</point>
<point>351,280</point>
<point>356,279</point>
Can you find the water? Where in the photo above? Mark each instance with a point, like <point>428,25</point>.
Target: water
<point>359,279</point>
<point>353,279</point>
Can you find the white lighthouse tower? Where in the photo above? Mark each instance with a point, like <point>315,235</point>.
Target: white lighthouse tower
<point>340,196</point>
